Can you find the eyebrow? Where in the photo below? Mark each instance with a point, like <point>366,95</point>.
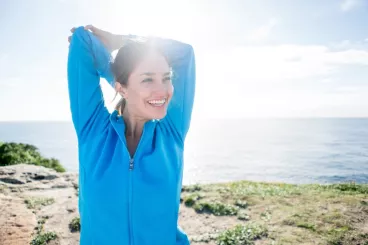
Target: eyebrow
<point>151,74</point>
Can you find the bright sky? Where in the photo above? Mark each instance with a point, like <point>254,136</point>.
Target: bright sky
<point>261,58</point>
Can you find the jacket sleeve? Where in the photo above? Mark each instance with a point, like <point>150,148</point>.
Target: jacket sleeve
<point>88,60</point>
<point>182,60</point>
<point>181,236</point>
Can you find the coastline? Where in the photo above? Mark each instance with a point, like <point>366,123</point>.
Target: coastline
<point>40,206</point>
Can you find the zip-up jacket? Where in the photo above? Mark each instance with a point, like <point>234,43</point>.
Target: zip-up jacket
<point>123,199</point>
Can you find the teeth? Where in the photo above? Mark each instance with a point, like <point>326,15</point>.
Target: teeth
<point>157,102</point>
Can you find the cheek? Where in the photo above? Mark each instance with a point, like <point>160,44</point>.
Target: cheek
<point>170,90</point>
<point>137,96</point>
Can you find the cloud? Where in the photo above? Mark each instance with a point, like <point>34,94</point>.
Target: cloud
<point>270,64</point>
<point>349,44</point>
<point>349,89</point>
<point>281,80</point>
<point>11,82</point>
<point>3,59</point>
<point>38,98</point>
<point>263,31</point>
<point>348,5</point>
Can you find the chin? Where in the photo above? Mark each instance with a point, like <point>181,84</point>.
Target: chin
<point>158,116</point>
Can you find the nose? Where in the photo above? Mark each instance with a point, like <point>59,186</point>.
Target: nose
<point>161,88</point>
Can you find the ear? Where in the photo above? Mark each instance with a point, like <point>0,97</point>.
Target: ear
<point>121,89</point>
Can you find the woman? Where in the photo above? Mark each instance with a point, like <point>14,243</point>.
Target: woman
<point>131,161</point>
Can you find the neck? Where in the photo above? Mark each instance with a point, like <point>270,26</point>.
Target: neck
<point>134,125</point>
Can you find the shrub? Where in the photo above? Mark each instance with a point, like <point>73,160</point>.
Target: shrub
<point>242,235</point>
<point>74,225</point>
<point>216,208</point>
<point>17,153</point>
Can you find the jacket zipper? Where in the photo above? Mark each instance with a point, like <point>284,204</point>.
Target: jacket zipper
<point>131,168</point>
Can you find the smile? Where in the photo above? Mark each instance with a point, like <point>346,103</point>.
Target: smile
<point>157,102</point>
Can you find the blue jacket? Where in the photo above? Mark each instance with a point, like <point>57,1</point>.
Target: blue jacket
<point>124,200</point>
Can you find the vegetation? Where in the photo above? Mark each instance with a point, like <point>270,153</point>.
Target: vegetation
<point>37,202</point>
<point>242,235</point>
<point>17,153</point>
<point>42,237</point>
<point>74,225</point>
<point>216,208</point>
<point>279,213</point>
<point>268,213</point>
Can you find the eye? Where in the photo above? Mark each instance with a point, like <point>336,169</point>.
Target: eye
<point>147,80</point>
<point>166,79</point>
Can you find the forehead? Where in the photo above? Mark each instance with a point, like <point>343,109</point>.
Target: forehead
<point>153,62</point>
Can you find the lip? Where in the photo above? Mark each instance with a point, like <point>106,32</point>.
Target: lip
<point>157,104</point>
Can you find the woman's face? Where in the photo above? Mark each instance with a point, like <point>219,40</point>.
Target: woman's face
<point>149,89</point>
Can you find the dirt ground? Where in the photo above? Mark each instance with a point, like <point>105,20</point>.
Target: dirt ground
<point>35,200</point>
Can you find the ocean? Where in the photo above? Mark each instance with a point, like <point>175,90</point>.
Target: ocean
<point>318,150</point>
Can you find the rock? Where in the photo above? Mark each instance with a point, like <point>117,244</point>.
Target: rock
<point>12,181</point>
<point>16,221</point>
<point>22,173</point>
<point>38,185</point>
<point>7,171</point>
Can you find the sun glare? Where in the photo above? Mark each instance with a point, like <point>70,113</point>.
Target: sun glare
<point>152,18</point>
<point>147,18</point>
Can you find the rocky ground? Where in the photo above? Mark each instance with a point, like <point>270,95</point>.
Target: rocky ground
<point>30,194</point>
<point>38,205</point>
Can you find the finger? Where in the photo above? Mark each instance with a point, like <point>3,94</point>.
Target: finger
<point>69,39</point>
<point>73,29</point>
<point>91,28</point>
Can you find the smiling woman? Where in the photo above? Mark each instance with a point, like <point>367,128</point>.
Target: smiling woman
<point>131,166</point>
<point>149,74</point>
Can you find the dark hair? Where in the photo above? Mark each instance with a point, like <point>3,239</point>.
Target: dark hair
<point>127,58</point>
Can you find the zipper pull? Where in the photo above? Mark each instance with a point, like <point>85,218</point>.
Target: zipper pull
<point>131,164</point>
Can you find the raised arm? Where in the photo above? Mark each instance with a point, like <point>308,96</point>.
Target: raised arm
<point>88,60</point>
<point>182,59</point>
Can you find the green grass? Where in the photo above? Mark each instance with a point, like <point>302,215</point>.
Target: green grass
<point>335,236</point>
<point>243,216</point>
<point>241,204</point>
<point>42,237</point>
<point>329,214</point>
<point>18,153</point>
<point>347,188</point>
<point>242,235</point>
<point>248,188</point>
<point>216,208</point>
<point>306,226</point>
<point>37,202</point>
<point>192,188</point>
<point>266,215</point>
<point>191,199</point>
<point>74,225</point>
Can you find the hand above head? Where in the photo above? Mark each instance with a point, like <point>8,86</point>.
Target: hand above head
<point>111,41</point>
